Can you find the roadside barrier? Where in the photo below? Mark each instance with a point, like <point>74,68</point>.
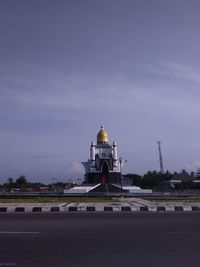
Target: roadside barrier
<point>55,209</point>
<point>144,208</point>
<point>195,208</point>
<point>161,208</point>
<point>37,209</point>
<point>125,208</point>
<point>102,209</point>
<point>3,209</point>
<point>19,209</point>
<point>178,208</point>
<point>72,208</point>
<point>90,208</point>
<point>108,208</point>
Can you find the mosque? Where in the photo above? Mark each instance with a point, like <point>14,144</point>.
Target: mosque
<point>104,166</point>
<point>103,170</point>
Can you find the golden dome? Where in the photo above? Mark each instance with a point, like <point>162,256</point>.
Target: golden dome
<point>102,136</point>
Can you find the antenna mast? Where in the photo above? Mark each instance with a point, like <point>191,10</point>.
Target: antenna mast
<point>160,156</point>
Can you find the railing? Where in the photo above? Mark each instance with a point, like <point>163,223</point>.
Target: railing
<point>183,193</point>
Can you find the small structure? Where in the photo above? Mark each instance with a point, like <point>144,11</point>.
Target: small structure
<point>179,178</point>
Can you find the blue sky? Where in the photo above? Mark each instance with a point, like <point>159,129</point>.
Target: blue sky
<point>67,67</point>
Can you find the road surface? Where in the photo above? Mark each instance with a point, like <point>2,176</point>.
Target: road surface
<point>100,239</point>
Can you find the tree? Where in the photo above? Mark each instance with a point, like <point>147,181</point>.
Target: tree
<point>150,180</point>
<point>154,179</point>
<point>21,183</point>
<point>183,171</point>
<point>135,179</point>
<point>11,183</point>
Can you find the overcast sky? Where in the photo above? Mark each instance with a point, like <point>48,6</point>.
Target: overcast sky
<point>67,67</point>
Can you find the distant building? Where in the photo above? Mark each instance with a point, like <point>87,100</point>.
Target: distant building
<point>179,178</point>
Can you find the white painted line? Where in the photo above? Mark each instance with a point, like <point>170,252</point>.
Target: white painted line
<point>189,232</point>
<point>8,264</point>
<point>17,232</point>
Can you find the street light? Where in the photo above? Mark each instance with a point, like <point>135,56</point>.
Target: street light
<point>120,167</point>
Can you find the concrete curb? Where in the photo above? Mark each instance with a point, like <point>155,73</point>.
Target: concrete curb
<point>75,207</point>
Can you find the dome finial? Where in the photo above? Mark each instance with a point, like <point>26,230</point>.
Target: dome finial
<point>102,136</point>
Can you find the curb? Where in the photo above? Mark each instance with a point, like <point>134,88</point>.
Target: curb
<point>98,208</point>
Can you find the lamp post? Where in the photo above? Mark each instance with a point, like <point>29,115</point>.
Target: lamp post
<point>120,167</point>
<point>53,185</point>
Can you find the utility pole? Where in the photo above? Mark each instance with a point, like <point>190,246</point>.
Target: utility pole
<point>160,156</point>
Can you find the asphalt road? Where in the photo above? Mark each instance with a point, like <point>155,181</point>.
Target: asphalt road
<point>100,239</point>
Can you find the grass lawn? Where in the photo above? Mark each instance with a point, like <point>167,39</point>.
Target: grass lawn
<point>65,199</point>
<point>174,199</point>
<point>56,200</point>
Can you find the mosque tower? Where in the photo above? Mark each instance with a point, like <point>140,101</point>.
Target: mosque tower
<point>104,166</point>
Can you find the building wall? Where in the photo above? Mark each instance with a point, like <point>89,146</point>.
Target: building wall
<point>97,177</point>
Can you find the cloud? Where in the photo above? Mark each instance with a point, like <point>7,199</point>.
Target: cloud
<point>184,72</point>
<point>47,156</point>
<point>173,69</point>
<point>76,168</point>
<point>47,93</point>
